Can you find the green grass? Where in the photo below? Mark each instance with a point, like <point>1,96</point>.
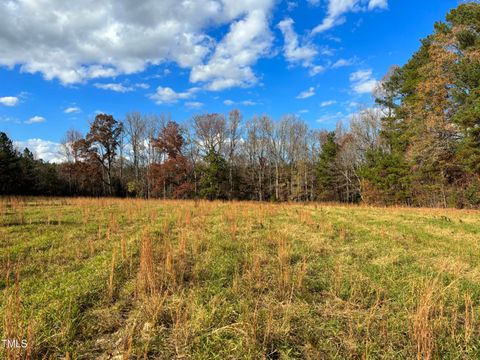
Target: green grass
<point>237,280</point>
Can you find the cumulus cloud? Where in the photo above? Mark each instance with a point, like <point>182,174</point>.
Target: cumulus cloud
<point>166,95</point>
<point>338,8</point>
<point>117,87</point>
<point>74,41</point>
<point>296,53</point>
<point>362,81</point>
<point>307,93</point>
<point>231,63</point>
<point>229,102</point>
<point>35,120</point>
<point>380,4</point>
<point>72,110</point>
<point>9,100</point>
<point>42,149</point>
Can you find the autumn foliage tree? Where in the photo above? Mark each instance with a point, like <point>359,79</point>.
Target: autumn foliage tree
<point>101,144</point>
<point>171,176</point>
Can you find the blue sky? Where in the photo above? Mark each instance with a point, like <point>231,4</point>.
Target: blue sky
<point>62,62</point>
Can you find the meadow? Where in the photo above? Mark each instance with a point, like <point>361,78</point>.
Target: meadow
<point>88,278</point>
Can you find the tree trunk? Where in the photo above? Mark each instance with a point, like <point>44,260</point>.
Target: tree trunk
<point>277,197</point>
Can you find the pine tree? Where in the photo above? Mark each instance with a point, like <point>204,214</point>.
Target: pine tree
<point>327,170</point>
<point>214,181</point>
<point>9,166</point>
<point>464,30</point>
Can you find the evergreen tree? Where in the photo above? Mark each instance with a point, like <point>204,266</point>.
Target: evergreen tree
<point>214,181</point>
<point>464,28</point>
<point>29,174</point>
<point>327,169</point>
<point>386,178</point>
<point>9,166</point>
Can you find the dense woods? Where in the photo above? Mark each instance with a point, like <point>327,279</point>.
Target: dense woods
<point>419,145</point>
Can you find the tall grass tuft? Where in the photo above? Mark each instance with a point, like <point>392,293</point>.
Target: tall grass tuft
<point>146,273</point>
<point>14,328</point>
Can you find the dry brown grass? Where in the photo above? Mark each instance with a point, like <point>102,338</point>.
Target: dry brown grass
<point>146,274</point>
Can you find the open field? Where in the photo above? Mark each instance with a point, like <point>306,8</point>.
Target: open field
<point>88,278</point>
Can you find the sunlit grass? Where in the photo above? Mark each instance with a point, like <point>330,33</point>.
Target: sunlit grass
<point>88,278</point>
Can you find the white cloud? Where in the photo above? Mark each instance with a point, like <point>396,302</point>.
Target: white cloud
<point>35,120</point>
<point>297,53</point>
<point>316,69</point>
<point>9,100</point>
<point>142,86</point>
<point>362,81</point>
<point>229,102</point>
<point>114,87</point>
<point>8,119</point>
<point>294,52</point>
<point>230,64</point>
<point>166,95</point>
<point>353,104</point>
<point>72,110</point>
<point>365,86</point>
<point>361,75</point>
<point>307,93</point>
<point>342,63</point>
<point>193,104</point>
<point>313,2</point>
<point>291,5</point>
<point>74,41</point>
<point>117,87</point>
<point>327,103</point>
<point>329,118</point>
<point>42,149</point>
<point>381,4</point>
<point>338,8</point>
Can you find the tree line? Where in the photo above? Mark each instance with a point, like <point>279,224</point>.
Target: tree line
<point>418,146</point>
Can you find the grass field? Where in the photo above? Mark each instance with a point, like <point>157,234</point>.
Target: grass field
<point>121,279</point>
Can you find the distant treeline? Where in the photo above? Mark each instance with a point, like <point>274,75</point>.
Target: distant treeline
<point>419,145</point>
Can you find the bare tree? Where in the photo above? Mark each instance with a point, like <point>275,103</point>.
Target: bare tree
<point>233,136</point>
<point>365,128</point>
<point>135,127</point>
<point>153,127</point>
<point>71,154</point>
<point>210,131</point>
<point>68,151</point>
